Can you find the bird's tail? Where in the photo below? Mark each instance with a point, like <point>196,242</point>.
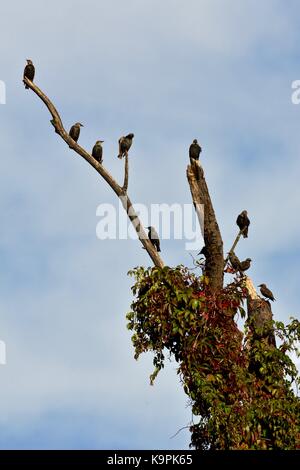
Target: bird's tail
<point>26,87</point>
<point>120,156</point>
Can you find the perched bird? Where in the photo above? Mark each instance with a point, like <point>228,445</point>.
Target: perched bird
<point>153,237</point>
<point>266,292</point>
<point>244,265</point>
<point>98,151</point>
<point>195,150</point>
<point>29,71</point>
<point>203,251</point>
<point>75,131</point>
<point>125,143</point>
<point>235,262</point>
<point>243,223</point>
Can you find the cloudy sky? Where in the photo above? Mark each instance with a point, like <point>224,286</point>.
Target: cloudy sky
<point>168,71</point>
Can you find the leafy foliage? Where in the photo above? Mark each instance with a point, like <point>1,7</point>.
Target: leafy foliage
<point>241,388</point>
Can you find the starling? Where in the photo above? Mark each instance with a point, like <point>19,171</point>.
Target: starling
<point>195,150</point>
<point>266,292</point>
<point>75,131</point>
<point>153,237</point>
<point>235,262</point>
<point>124,145</point>
<point>243,223</point>
<point>203,252</point>
<point>97,151</point>
<point>244,265</point>
<point>29,71</point>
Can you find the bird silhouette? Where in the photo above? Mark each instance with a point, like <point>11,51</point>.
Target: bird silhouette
<point>243,223</point>
<point>266,292</point>
<point>194,150</point>
<point>29,72</point>
<point>75,131</point>
<point>244,265</point>
<point>153,237</point>
<point>97,151</point>
<point>125,143</point>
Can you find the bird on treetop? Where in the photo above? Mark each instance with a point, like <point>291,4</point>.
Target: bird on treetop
<point>29,72</point>
<point>125,143</point>
<point>243,223</point>
<point>266,292</point>
<point>195,150</point>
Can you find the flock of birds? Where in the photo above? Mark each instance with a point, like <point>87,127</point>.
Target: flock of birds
<point>195,149</point>
<point>125,142</point>
<point>243,223</point>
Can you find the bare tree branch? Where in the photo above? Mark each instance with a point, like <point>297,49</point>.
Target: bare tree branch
<point>119,191</point>
<point>126,175</point>
<point>233,246</point>
<point>214,266</point>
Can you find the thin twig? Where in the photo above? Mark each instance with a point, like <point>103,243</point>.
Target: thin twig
<point>179,430</point>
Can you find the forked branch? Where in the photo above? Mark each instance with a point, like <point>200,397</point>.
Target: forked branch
<point>118,190</point>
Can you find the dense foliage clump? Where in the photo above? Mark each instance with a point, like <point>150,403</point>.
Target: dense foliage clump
<point>241,388</point>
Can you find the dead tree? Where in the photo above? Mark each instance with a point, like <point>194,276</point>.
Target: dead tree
<point>258,310</point>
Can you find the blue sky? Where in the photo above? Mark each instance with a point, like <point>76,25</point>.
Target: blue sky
<point>168,71</point>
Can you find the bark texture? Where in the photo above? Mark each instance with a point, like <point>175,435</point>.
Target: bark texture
<point>214,266</point>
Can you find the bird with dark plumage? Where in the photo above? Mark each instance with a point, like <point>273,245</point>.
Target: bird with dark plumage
<point>97,151</point>
<point>194,150</point>
<point>75,131</point>
<point>29,72</point>
<point>235,262</point>
<point>244,265</point>
<point>203,252</point>
<point>153,237</point>
<point>243,223</point>
<point>125,143</point>
<point>266,292</point>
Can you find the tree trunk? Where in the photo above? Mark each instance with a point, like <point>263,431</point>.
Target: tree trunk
<point>214,267</point>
